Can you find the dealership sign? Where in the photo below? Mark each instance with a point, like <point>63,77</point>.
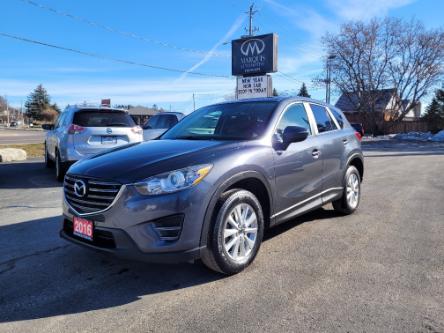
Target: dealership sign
<point>254,55</point>
<point>253,87</point>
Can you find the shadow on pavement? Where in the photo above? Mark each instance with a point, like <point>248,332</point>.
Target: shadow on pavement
<point>43,276</point>
<point>24,175</point>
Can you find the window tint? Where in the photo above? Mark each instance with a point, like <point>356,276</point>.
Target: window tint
<point>339,117</point>
<point>151,123</point>
<point>295,115</point>
<point>230,121</point>
<point>103,118</point>
<point>323,119</point>
<point>167,121</point>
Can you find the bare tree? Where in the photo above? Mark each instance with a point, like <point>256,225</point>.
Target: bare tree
<point>381,54</point>
<point>417,66</point>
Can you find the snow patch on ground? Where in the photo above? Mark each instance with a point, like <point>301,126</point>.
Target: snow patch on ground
<point>421,136</point>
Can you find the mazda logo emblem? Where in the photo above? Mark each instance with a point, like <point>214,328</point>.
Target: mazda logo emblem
<point>109,130</point>
<point>252,47</point>
<point>80,188</point>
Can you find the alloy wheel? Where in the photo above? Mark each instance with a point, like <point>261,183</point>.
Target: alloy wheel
<point>352,190</point>
<point>240,232</point>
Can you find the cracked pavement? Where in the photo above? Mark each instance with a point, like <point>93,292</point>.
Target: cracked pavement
<point>381,269</point>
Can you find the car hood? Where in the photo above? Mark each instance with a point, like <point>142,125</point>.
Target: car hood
<point>138,161</point>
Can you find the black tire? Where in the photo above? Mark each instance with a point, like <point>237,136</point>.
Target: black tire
<point>215,256</point>
<point>343,205</point>
<point>48,162</point>
<point>60,167</point>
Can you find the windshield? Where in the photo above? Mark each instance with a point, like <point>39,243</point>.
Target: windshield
<point>232,121</point>
<point>103,118</point>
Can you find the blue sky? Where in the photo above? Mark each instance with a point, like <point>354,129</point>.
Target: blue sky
<point>179,34</point>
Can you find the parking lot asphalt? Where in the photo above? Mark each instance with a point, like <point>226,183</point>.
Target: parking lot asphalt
<point>18,136</point>
<point>381,269</point>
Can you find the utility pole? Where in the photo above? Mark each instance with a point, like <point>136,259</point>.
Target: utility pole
<point>251,12</point>
<point>194,103</point>
<point>7,111</point>
<point>328,79</point>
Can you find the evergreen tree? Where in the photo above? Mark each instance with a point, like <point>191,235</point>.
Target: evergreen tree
<point>275,93</point>
<point>435,112</point>
<point>37,102</point>
<point>303,92</point>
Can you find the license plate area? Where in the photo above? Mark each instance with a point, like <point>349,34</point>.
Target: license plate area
<point>83,228</point>
<point>107,140</point>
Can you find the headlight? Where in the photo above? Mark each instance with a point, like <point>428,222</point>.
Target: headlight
<point>173,181</point>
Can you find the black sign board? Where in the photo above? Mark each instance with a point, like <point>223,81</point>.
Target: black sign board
<point>254,55</point>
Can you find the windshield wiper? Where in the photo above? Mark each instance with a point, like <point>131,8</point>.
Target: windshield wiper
<point>192,137</point>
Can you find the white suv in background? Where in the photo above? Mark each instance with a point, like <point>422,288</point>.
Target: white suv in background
<point>82,131</point>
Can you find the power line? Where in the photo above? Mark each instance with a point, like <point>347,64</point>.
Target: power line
<point>117,31</point>
<point>99,56</point>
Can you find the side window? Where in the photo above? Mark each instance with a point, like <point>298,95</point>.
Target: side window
<point>295,115</point>
<point>323,119</point>
<point>59,120</point>
<point>65,120</point>
<point>339,117</point>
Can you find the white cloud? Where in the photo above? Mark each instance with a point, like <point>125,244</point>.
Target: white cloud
<point>364,9</point>
<point>303,18</point>
<point>124,91</point>
<point>234,27</point>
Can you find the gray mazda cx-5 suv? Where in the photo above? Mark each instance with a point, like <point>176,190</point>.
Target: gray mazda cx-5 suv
<point>212,184</point>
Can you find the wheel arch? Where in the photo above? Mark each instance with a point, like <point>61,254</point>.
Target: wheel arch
<point>357,161</point>
<point>251,181</point>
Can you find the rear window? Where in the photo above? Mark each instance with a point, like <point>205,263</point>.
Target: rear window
<point>338,116</point>
<point>161,121</point>
<point>103,118</point>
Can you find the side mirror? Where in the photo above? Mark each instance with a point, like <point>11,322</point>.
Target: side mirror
<point>48,127</point>
<point>294,134</point>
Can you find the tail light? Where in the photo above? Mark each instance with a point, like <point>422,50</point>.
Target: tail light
<point>137,129</point>
<point>75,129</point>
<point>358,136</point>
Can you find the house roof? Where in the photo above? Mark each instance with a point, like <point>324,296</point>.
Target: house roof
<point>347,101</point>
<point>142,111</point>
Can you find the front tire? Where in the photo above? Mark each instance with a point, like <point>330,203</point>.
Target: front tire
<point>236,234</point>
<point>352,192</point>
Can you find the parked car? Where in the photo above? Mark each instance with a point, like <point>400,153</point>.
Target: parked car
<point>82,131</point>
<point>359,129</point>
<point>212,184</point>
<point>13,124</point>
<point>159,124</point>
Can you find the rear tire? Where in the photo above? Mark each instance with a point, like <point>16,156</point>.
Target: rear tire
<point>236,235</point>
<point>48,162</point>
<point>352,192</point>
<point>60,167</point>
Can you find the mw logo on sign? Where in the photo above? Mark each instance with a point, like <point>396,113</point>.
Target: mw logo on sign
<point>252,47</point>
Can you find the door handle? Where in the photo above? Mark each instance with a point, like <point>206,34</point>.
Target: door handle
<point>344,141</point>
<point>315,153</point>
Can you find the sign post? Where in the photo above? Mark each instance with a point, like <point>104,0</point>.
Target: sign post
<point>252,58</point>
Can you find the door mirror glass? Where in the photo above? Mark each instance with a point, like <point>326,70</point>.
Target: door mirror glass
<point>294,134</point>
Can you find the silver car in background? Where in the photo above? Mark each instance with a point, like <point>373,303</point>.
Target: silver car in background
<point>82,131</point>
<point>160,123</point>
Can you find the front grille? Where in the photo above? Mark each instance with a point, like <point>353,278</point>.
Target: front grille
<point>102,238</point>
<point>98,196</point>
